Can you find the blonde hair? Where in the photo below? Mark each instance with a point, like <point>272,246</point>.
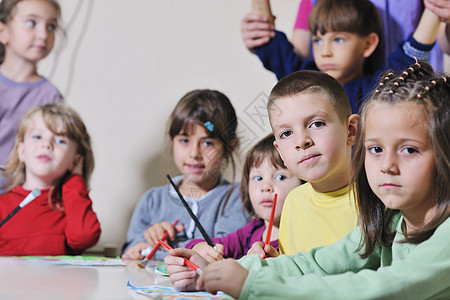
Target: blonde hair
<point>73,128</point>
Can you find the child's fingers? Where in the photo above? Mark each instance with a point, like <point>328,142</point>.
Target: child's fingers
<point>271,251</point>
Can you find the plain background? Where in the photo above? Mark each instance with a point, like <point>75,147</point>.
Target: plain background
<point>125,64</point>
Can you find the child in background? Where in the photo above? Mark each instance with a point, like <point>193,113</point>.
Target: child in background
<point>52,153</point>
<point>401,175</point>
<point>344,36</point>
<point>27,34</point>
<point>202,129</point>
<point>263,176</point>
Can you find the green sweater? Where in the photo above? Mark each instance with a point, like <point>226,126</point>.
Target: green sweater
<point>403,271</point>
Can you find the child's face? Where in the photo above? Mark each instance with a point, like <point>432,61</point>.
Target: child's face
<point>264,182</point>
<point>340,54</point>
<point>313,143</point>
<point>197,156</point>
<point>400,158</point>
<point>30,34</point>
<point>46,156</point>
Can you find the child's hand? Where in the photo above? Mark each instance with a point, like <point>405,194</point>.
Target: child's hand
<point>156,231</point>
<point>208,252</point>
<point>183,278</point>
<point>134,252</point>
<point>78,165</point>
<point>256,30</point>
<point>440,7</point>
<point>225,275</point>
<point>263,251</point>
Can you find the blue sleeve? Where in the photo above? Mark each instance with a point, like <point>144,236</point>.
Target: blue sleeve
<point>278,56</point>
<point>140,220</point>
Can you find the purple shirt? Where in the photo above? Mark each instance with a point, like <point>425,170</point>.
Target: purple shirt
<point>238,243</point>
<point>16,98</point>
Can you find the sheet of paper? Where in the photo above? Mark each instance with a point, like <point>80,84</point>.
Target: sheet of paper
<point>164,292</point>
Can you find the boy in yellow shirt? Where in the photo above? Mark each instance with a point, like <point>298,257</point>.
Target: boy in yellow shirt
<point>314,130</point>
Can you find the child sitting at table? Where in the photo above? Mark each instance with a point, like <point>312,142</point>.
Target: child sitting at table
<point>52,153</point>
<point>263,176</point>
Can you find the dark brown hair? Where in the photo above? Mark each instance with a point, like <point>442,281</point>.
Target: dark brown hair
<point>213,110</point>
<point>420,85</point>
<point>264,149</point>
<point>311,82</point>
<point>355,16</point>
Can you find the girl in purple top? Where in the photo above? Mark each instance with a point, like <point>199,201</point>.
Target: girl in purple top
<point>263,176</point>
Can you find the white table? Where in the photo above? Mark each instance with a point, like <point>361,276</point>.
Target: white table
<point>23,280</point>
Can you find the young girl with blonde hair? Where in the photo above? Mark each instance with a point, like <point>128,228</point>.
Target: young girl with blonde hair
<point>52,153</point>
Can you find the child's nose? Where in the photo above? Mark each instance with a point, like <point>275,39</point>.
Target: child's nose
<point>195,150</point>
<point>389,164</point>
<point>325,49</point>
<point>46,143</point>
<point>303,142</point>
<point>42,32</point>
<point>267,187</point>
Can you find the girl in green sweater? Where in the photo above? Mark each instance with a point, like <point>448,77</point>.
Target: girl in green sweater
<point>401,178</point>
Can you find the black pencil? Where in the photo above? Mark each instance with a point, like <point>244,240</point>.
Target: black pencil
<point>194,217</point>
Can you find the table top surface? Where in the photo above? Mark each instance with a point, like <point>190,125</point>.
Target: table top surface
<point>25,279</point>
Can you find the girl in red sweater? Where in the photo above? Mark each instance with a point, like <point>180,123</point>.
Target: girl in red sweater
<point>52,153</point>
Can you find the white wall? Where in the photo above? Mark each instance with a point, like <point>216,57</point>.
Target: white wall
<point>127,63</point>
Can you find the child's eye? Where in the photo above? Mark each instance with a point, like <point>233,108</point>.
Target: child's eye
<point>286,134</point>
<point>36,137</point>
<point>60,140</point>
<point>339,40</point>
<point>51,27</point>
<point>374,149</point>
<point>409,150</point>
<point>30,23</point>
<point>208,143</point>
<point>317,41</point>
<point>317,124</point>
<point>257,178</point>
<point>183,140</point>
<point>280,177</point>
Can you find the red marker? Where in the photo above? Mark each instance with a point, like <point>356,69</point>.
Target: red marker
<point>269,229</point>
<point>186,261</point>
<point>144,262</point>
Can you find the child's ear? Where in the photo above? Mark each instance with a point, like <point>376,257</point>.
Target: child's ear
<point>20,151</point>
<point>352,128</point>
<point>370,44</point>
<point>77,165</point>
<point>3,38</point>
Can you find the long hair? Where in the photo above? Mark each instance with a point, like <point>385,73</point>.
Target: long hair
<point>420,85</point>
<point>73,128</point>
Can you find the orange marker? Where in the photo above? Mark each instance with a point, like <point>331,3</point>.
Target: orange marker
<point>189,263</point>
<point>144,262</point>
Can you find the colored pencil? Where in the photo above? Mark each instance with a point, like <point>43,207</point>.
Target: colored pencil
<point>145,261</point>
<point>189,263</point>
<point>193,216</point>
<point>269,229</point>
<point>34,193</point>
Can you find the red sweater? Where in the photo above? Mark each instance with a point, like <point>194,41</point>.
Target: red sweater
<point>37,229</point>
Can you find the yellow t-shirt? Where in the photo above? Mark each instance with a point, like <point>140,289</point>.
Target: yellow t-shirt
<point>310,219</point>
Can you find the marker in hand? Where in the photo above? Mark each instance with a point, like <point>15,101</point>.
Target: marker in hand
<point>269,229</point>
<point>34,193</point>
<point>189,263</point>
<point>144,262</point>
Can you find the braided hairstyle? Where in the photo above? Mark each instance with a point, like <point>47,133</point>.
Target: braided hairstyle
<point>420,85</point>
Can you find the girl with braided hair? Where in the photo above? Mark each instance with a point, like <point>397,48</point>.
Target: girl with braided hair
<point>401,183</point>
